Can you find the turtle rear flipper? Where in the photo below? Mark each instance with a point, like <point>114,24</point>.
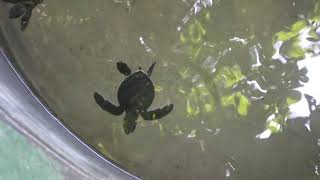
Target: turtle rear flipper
<point>129,124</point>
<point>151,69</point>
<point>157,113</point>
<point>107,106</point>
<point>123,68</point>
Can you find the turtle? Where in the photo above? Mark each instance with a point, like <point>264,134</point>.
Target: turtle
<point>135,96</point>
<point>23,9</point>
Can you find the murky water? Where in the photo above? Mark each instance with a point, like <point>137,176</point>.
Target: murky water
<point>242,75</point>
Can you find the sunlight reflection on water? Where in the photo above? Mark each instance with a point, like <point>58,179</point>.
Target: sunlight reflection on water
<point>312,87</point>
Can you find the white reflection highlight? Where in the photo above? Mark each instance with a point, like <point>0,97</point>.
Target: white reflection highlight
<point>192,134</point>
<point>228,169</point>
<point>255,55</point>
<point>210,63</point>
<point>307,44</point>
<point>277,55</point>
<point>316,170</point>
<point>196,8</point>
<point>255,86</point>
<point>307,125</point>
<point>146,47</point>
<point>237,39</point>
<point>264,135</point>
<point>272,124</point>
<point>312,87</point>
<point>228,173</point>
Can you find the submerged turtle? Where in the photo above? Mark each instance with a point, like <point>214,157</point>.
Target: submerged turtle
<point>135,95</point>
<point>23,9</point>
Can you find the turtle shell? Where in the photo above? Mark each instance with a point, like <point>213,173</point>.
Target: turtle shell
<point>136,92</point>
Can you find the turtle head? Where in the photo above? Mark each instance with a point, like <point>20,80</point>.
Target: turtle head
<point>140,68</point>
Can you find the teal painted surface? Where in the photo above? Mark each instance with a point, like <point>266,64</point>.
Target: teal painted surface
<point>22,160</point>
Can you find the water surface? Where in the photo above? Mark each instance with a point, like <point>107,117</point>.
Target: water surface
<point>242,76</point>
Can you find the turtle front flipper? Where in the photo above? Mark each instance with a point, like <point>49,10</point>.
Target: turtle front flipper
<point>107,106</point>
<point>129,124</point>
<point>123,68</point>
<point>157,113</point>
<point>17,11</point>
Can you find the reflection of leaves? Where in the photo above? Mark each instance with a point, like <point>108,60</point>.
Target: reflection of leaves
<point>273,125</point>
<point>316,12</point>
<point>192,37</point>
<point>192,134</point>
<point>293,97</point>
<point>192,106</point>
<point>184,73</point>
<point>158,88</point>
<point>299,40</point>
<point>177,131</point>
<point>229,76</point>
<point>220,83</point>
<point>193,34</point>
<point>228,100</point>
<point>161,129</point>
<point>116,131</point>
<point>243,105</point>
<point>294,31</point>
<point>313,36</point>
<point>275,121</point>
<point>238,101</point>
<point>199,100</point>
<point>292,49</point>
<point>279,110</point>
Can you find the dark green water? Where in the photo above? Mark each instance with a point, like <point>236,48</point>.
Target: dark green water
<point>243,76</point>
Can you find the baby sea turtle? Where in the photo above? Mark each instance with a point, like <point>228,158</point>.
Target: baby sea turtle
<point>23,9</point>
<point>135,95</point>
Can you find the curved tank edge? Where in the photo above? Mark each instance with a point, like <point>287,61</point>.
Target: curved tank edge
<point>29,115</point>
